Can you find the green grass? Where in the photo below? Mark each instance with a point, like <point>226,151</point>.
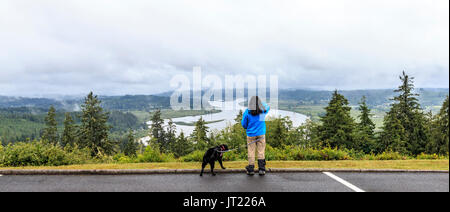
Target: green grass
<point>348,164</point>
<point>312,111</point>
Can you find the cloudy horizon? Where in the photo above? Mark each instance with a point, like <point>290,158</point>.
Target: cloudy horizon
<point>53,47</point>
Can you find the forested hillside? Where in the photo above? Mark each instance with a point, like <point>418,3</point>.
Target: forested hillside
<point>378,97</point>
<point>20,124</point>
<point>123,103</point>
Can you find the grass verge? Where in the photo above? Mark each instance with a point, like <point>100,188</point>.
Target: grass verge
<point>349,164</point>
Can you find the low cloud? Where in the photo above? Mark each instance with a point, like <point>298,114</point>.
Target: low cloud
<point>112,47</point>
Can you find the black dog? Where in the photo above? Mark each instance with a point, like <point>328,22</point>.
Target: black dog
<point>212,155</point>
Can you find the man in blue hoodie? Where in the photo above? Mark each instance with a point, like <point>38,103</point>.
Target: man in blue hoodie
<point>253,120</point>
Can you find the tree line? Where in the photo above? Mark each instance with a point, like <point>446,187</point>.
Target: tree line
<point>407,129</point>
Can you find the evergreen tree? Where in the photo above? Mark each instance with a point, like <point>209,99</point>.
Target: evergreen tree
<point>182,146</point>
<point>200,134</point>
<point>157,133</point>
<point>130,145</point>
<point>50,133</point>
<point>233,135</point>
<point>365,137</point>
<point>239,117</point>
<point>338,126</point>
<point>93,131</point>
<point>278,132</point>
<point>170,138</point>
<point>307,135</point>
<point>439,131</point>
<point>69,133</point>
<point>411,136</point>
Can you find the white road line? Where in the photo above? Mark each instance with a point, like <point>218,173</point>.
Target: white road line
<point>354,188</point>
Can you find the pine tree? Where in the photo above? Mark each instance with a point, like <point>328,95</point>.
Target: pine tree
<point>130,145</point>
<point>338,126</point>
<point>365,135</point>
<point>170,138</point>
<point>200,134</point>
<point>440,131</point>
<point>278,132</point>
<point>157,133</point>
<point>69,133</point>
<point>411,136</point>
<point>393,134</point>
<point>93,132</point>
<point>50,133</point>
<point>239,117</point>
<point>182,146</point>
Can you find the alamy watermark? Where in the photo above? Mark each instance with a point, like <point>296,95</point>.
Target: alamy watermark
<point>231,92</point>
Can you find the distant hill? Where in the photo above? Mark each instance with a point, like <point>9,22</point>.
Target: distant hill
<point>137,102</point>
<point>125,103</point>
<point>376,97</point>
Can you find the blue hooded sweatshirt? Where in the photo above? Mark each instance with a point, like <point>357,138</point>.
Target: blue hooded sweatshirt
<point>255,125</point>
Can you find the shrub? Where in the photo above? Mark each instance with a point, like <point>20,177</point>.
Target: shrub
<point>122,158</point>
<point>196,156</point>
<point>39,153</point>
<point>154,155</point>
<point>234,156</point>
<point>334,154</point>
<point>424,156</point>
<point>387,156</point>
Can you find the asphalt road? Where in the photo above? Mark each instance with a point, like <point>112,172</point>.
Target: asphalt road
<point>272,182</point>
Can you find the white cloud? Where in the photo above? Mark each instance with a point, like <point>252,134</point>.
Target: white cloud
<point>113,47</point>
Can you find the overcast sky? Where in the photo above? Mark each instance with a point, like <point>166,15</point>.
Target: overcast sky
<point>135,47</point>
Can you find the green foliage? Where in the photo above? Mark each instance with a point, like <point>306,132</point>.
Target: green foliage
<point>135,102</point>
<point>375,97</point>
<point>389,155</point>
<point>93,131</point>
<point>404,128</point>
<point>123,121</point>
<point>51,131</point>
<point>157,133</point>
<point>338,126</point>
<point>423,156</point>
<point>199,135</point>
<point>152,154</point>
<point>299,153</point>
<point>69,133</point>
<point>277,133</point>
<point>365,135</point>
<point>196,156</point>
<point>42,153</point>
<point>21,124</point>
<point>439,131</point>
<point>131,146</point>
<point>182,146</point>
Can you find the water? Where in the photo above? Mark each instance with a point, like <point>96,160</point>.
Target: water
<point>227,117</point>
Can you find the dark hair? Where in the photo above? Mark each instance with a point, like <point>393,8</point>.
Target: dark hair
<point>255,106</point>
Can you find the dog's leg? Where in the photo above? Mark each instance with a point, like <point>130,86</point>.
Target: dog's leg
<point>212,168</point>
<point>220,162</point>
<point>203,168</point>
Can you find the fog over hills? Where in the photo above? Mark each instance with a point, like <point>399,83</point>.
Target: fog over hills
<point>428,97</point>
